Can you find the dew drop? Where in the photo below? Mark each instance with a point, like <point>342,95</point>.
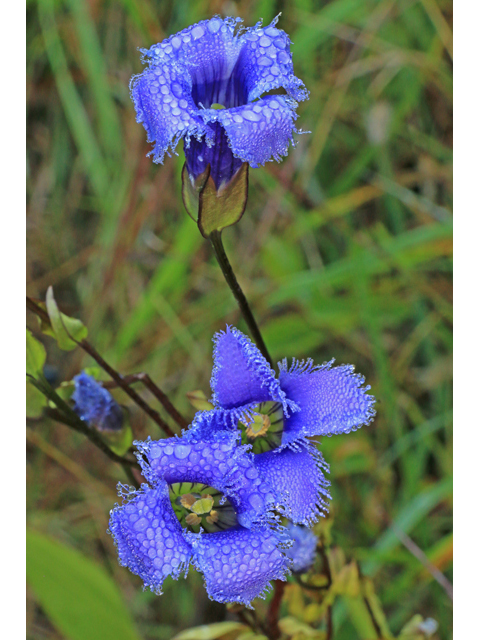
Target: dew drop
<point>182,451</point>
<point>197,32</point>
<point>214,25</point>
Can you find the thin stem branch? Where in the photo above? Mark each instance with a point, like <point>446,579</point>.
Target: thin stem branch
<point>226,267</point>
<point>274,610</point>
<point>421,556</point>
<point>156,391</point>
<point>88,348</point>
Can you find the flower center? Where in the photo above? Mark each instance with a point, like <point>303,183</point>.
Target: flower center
<point>197,505</point>
<point>264,431</point>
<point>218,82</point>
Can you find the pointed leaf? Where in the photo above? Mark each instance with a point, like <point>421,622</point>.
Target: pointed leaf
<point>68,331</point>
<point>215,631</point>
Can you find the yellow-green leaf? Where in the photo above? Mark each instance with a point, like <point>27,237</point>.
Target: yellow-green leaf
<point>293,627</point>
<point>215,631</point>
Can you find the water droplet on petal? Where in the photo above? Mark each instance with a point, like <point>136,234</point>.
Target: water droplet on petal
<point>197,32</point>
<point>182,451</point>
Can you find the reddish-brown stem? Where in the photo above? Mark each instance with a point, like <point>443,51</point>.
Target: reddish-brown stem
<point>274,610</point>
<point>328,573</point>
<point>156,391</point>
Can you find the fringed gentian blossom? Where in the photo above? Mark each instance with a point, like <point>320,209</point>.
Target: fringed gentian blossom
<point>95,405</point>
<point>316,400</point>
<point>304,401</point>
<point>205,83</point>
<point>304,547</point>
<point>237,562</point>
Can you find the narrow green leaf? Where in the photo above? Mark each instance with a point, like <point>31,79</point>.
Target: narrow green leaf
<point>78,596</point>
<point>73,106</point>
<point>68,331</point>
<point>408,517</point>
<point>36,355</point>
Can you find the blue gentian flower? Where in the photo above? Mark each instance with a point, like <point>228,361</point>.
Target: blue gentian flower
<point>316,400</point>
<point>304,547</point>
<point>95,405</point>
<point>303,402</point>
<point>238,562</point>
<point>214,64</point>
<point>296,476</point>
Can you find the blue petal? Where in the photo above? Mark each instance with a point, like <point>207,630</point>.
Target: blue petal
<point>187,72</point>
<point>241,375</point>
<point>210,426</point>
<point>265,63</point>
<point>304,548</point>
<point>162,96</point>
<point>298,480</point>
<point>149,537</point>
<point>95,405</point>
<point>331,400</point>
<point>223,465</point>
<point>260,131</point>
<point>207,52</point>
<point>210,63</point>
<point>238,564</point>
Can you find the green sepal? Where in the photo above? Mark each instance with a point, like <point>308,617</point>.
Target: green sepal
<point>191,192</point>
<point>215,210</point>
<point>220,209</point>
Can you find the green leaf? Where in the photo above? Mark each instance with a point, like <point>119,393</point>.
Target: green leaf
<point>214,631</point>
<point>360,617</point>
<point>77,594</point>
<point>291,627</point>
<point>67,331</point>
<point>36,355</point>
<point>35,401</point>
<point>120,441</point>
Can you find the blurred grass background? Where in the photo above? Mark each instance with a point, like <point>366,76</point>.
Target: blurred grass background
<point>344,251</point>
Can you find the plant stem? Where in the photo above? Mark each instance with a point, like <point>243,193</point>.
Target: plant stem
<point>226,267</point>
<point>328,572</point>
<point>274,610</point>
